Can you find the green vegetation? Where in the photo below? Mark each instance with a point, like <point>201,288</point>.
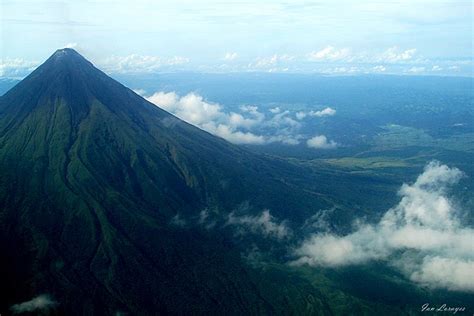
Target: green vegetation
<point>92,178</point>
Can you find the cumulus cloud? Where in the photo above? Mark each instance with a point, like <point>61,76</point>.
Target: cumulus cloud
<point>40,303</point>
<point>343,57</point>
<point>300,115</point>
<point>283,118</point>
<point>379,68</point>
<point>236,127</point>
<point>237,137</point>
<point>210,117</point>
<point>140,63</point>
<point>330,53</point>
<point>321,142</point>
<point>275,110</point>
<point>422,236</point>
<point>264,224</point>
<point>395,54</point>
<point>324,112</point>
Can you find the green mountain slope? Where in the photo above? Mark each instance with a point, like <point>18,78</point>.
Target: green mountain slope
<point>112,205</point>
<point>91,177</point>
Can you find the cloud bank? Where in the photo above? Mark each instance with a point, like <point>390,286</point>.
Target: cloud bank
<point>40,303</point>
<point>210,117</point>
<point>247,126</point>
<point>391,55</point>
<point>16,67</point>
<point>422,236</point>
<point>330,59</point>
<point>135,63</point>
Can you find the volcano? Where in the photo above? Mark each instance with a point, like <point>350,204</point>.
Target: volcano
<point>92,179</point>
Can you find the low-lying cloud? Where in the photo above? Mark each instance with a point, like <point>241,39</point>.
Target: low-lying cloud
<point>422,236</point>
<point>264,224</point>
<point>324,112</point>
<point>321,142</point>
<point>210,117</point>
<point>40,303</point>
<point>247,126</point>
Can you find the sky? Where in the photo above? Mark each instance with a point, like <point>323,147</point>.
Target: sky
<point>430,37</point>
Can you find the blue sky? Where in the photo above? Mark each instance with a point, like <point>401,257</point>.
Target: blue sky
<point>332,37</point>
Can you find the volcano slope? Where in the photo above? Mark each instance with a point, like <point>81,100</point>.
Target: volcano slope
<point>93,179</point>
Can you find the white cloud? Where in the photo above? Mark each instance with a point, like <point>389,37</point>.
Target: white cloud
<point>16,67</point>
<point>283,119</point>
<point>140,63</point>
<point>210,117</point>
<point>248,126</point>
<point>321,142</point>
<point>436,68</point>
<point>271,61</point>
<point>449,273</point>
<point>166,100</point>
<point>395,54</point>
<point>40,303</point>
<point>330,53</point>
<point>275,110</point>
<point>237,137</point>
<point>321,113</point>
<point>416,69</point>
<point>285,139</point>
<point>264,224</point>
<point>193,109</point>
<point>341,70</point>
<point>325,112</point>
<point>140,92</point>
<point>70,45</point>
<point>422,236</point>
<point>230,56</point>
<point>300,115</point>
<point>345,56</point>
<point>379,68</point>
